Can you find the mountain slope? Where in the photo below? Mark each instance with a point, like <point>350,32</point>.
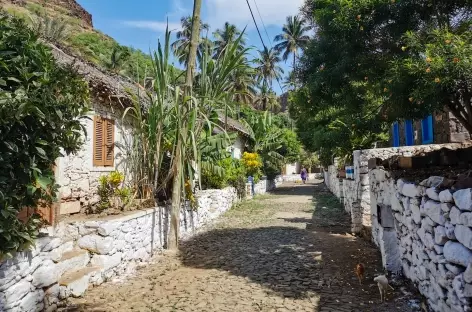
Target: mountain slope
<point>81,39</point>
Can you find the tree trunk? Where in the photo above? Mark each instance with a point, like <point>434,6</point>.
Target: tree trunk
<point>173,242</point>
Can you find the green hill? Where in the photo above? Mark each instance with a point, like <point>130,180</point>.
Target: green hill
<point>68,25</point>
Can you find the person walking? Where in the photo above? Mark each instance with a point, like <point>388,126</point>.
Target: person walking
<point>303,175</point>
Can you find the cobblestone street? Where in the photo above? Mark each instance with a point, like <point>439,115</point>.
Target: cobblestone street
<point>288,251</point>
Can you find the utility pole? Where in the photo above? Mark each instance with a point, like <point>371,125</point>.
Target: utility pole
<point>173,242</point>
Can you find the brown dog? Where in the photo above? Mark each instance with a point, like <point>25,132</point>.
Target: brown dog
<point>360,272</point>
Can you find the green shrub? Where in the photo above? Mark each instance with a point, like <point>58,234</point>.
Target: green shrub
<point>40,108</point>
<point>234,174</point>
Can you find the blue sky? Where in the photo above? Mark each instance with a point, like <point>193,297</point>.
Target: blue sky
<point>139,23</point>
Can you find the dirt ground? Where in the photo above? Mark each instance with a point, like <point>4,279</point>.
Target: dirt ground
<point>288,251</point>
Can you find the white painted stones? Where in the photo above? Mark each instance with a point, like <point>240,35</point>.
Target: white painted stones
<point>463,199</point>
<point>446,196</point>
<point>412,190</point>
<point>107,228</point>
<point>466,219</point>
<point>106,262</point>
<point>468,274</point>
<point>97,244</point>
<point>45,275</point>
<point>457,253</point>
<point>440,236</point>
<point>432,193</point>
<point>434,211</point>
<point>464,235</point>
<point>455,215</point>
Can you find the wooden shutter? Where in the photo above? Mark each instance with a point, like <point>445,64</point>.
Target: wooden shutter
<point>98,142</point>
<point>109,135</point>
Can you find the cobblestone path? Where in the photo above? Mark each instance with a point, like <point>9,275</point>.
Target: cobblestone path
<point>283,252</point>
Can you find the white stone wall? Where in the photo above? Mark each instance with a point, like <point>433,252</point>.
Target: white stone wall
<point>75,173</point>
<point>77,255</point>
<point>292,169</point>
<point>265,185</point>
<point>431,242</point>
<point>297,177</point>
<point>334,184</point>
<point>356,196</point>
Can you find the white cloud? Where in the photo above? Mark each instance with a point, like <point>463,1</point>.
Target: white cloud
<point>157,26</point>
<point>273,12</point>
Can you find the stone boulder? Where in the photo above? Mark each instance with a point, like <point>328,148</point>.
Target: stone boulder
<point>440,236</point>
<point>466,219</point>
<point>97,244</point>
<point>463,199</point>
<point>446,196</point>
<point>434,211</point>
<point>457,253</point>
<point>412,190</point>
<point>432,193</point>
<point>455,215</point>
<point>464,235</point>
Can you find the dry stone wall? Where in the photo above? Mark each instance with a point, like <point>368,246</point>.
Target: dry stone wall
<point>74,256</point>
<point>425,231</point>
<point>334,184</point>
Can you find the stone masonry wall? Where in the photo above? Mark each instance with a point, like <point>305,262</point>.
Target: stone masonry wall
<point>76,255</point>
<point>427,234</point>
<point>334,184</point>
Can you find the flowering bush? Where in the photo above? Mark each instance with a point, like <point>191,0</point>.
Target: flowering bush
<point>253,164</point>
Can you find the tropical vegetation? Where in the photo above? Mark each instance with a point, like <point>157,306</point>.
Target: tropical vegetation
<point>375,62</point>
<point>41,105</point>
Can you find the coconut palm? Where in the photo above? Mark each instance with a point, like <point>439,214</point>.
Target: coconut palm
<point>182,44</point>
<point>293,38</point>
<point>266,67</point>
<point>244,84</point>
<point>228,34</point>
<point>266,99</point>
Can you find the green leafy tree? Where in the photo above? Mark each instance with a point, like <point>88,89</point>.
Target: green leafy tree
<point>404,59</point>
<point>40,108</point>
<point>293,38</point>
<point>291,147</point>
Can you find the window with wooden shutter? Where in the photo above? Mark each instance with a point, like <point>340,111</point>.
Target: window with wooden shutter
<point>103,142</point>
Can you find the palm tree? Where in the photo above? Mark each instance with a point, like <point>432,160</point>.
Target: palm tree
<point>266,99</point>
<point>267,69</point>
<point>182,44</point>
<point>224,36</point>
<point>244,84</point>
<point>293,38</point>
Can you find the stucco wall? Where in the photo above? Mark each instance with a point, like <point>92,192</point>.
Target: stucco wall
<point>77,254</point>
<point>238,147</point>
<point>431,238</point>
<point>76,174</point>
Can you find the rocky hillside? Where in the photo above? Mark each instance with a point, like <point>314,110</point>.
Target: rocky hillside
<point>80,38</point>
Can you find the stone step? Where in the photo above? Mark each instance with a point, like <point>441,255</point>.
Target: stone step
<point>75,283</point>
<point>72,261</point>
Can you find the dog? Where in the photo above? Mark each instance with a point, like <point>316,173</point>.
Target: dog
<point>360,272</point>
<point>382,282</point>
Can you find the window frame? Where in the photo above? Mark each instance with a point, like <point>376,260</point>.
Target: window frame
<point>106,148</point>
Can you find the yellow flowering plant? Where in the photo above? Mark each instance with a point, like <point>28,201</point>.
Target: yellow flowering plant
<point>253,164</point>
